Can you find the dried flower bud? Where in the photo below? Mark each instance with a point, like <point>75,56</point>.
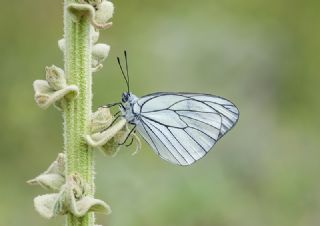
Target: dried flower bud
<point>99,53</point>
<point>46,96</point>
<point>53,178</point>
<point>101,138</point>
<point>55,77</point>
<point>112,147</point>
<point>88,204</point>
<point>108,140</point>
<point>101,119</point>
<point>72,199</point>
<point>104,12</point>
<point>45,205</point>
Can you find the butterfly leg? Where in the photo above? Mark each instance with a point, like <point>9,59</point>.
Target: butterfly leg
<point>112,123</point>
<point>127,145</point>
<point>132,133</point>
<point>111,105</point>
<point>125,140</point>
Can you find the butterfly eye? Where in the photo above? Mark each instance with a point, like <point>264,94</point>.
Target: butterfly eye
<point>125,97</point>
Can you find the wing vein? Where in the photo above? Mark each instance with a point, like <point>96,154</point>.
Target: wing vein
<point>142,123</point>
<point>196,141</point>
<point>197,121</point>
<point>172,143</point>
<point>180,143</point>
<point>200,130</point>
<point>163,144</point>
<point>148,118</point>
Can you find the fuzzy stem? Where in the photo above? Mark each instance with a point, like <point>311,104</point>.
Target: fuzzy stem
<point>77,112</point>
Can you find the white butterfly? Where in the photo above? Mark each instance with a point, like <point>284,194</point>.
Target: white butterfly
<point>180,127</point>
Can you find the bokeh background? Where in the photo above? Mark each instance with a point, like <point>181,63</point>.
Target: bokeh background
<point>262,55</point>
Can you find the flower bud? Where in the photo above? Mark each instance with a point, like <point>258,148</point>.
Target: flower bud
<point>53,178</point>
<point>55,77</point>
<point>101,119</point>
<point>72,198</point>
<point>46,96</point>
<point>45,205</point>
<point>62,44</point>
<point>100,51</point>
<point>104,12</point>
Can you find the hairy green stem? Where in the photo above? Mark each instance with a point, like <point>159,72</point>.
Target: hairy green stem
<point>79,157</point>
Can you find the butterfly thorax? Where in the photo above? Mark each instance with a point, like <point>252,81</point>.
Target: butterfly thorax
<point>128,101</point>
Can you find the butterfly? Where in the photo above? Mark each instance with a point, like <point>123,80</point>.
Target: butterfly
<point>180,127</point>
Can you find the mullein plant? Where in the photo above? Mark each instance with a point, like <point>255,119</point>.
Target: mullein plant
<point>70,178</point>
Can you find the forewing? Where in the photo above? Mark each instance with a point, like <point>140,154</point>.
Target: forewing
<point>183,127</point>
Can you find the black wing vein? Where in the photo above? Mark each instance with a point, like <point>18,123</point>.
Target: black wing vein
<point>172,143</point>
<point>144,123</point>
<point>184,116</point>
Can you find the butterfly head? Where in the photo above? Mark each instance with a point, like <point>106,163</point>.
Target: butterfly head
<point>128,98</point>
<point>125,97</point>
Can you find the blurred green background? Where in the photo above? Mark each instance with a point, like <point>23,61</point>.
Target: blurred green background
<point>262,55</point>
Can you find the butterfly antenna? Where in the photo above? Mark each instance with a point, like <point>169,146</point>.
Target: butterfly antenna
<point>124,76</point>
<point>128,78</point>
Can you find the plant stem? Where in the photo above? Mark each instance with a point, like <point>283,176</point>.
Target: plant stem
<point>77,112</point>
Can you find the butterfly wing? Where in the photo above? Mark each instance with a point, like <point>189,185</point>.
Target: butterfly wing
<point>183,127</point>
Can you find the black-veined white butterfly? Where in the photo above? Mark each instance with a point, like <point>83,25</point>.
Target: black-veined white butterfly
<point>180,127</point>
